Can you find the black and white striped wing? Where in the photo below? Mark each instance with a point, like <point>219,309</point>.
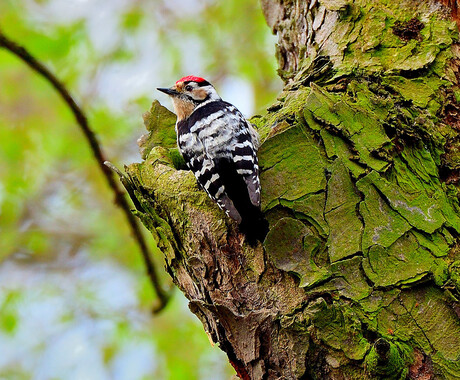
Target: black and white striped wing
<point>206,174</point>
<point>211,181</point>
<point>217,145</point>
<point>228,134</point>
<point>246,163</point>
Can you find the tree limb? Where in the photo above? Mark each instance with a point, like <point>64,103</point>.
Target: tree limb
<point>359,276</point>
<point>120,198</point>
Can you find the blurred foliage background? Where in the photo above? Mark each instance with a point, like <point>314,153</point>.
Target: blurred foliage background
<point>74,298</point>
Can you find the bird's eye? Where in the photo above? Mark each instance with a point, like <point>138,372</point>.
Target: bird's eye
<point>188,88</point>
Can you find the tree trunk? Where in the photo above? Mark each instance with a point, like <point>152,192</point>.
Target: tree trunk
<point>359,276</point>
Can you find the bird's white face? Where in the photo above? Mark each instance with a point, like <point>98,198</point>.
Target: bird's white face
<point>189,93</point>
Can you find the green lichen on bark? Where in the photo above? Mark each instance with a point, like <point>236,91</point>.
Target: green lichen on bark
<point>363,249</point>
<point>386,129</point>
<point>292,247</point>
<point>341,204</point>
<point>388,360</point>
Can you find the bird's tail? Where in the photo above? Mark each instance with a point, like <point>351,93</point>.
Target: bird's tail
<point>254,225</point>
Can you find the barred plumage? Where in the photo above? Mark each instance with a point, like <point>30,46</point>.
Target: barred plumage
<point>219,146</point>
<point>217,131</point>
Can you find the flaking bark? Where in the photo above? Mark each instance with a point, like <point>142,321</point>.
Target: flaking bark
<point>359,276</point>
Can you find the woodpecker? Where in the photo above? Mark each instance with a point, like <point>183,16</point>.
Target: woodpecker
<point>220,147</point>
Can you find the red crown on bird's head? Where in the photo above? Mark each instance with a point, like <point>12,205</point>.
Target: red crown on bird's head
<point>191,78</point>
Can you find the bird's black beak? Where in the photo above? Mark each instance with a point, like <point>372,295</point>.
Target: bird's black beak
<point>169,91</point>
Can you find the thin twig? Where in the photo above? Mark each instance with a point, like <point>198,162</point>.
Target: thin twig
<point>120,197</point>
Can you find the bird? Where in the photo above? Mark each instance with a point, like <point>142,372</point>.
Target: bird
<point>220,147</point>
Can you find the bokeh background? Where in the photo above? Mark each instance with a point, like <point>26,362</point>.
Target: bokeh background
<point>74,298</point>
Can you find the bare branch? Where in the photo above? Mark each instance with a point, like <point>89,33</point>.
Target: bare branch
<point>120,197</point>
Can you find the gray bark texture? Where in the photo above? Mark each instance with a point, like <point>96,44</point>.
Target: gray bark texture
<point>359,276</point>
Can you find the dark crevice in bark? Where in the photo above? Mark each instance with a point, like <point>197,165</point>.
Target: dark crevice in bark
<point>409,30</point>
